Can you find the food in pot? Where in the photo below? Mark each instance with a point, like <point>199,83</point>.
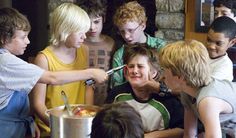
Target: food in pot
<point>82,112</point>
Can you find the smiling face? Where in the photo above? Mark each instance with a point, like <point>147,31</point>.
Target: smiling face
<point>132,32</point>
<point>75,39</point>
<point>18,43</point>
<point>138,70</point>
<point>217,44</point>
<point>96,26</point>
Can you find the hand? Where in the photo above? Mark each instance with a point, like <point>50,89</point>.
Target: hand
<point>150,85</point>
<point>99,75</point>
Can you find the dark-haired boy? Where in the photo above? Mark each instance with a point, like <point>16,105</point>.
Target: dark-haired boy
<point>220,37</point>
<point>225,8</point>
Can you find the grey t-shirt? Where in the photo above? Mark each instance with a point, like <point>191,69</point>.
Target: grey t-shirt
<point>16,75</point>
<point>222,89</point>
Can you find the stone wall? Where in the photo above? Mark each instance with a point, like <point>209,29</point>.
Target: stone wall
<point>170,19</point>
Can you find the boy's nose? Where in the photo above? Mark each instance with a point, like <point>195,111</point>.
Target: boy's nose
<point>127,35</point>
<point>27,40</point>
<point>210,46</point>
<point>135,70</point>
<point>92,26</point>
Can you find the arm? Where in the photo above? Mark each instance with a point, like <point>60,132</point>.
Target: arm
<point>209,110</point>
<point>38,93</point>
<point>190,124</point>
<point>62,77</point>
<point>169,133</point>
<point>150,85</point>
<point>89,95</point>
<point>89,92</point>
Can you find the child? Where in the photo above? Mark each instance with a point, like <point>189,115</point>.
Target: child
<point>225,8</point>
<point>221,36</point>
<point>100,46</point>
<point>157,113</point>
<point>131,20</point>
<point>19,77</point>
<point>65,52</point>
<point>186,70</point>
<point>118,120</point>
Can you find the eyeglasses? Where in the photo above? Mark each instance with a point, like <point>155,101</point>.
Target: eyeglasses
<point>130,31</point>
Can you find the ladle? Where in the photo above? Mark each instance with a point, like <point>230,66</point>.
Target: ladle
<point>67,106</point>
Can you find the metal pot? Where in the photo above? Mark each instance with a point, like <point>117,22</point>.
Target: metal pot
<point>65,126</point>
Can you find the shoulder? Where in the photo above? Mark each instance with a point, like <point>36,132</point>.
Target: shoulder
<point>155,41</point>
<point>120,89</point>
<point>119,52</point>
<point>109,39</point>
<point>41,60</point>
<point>83,48</point>
<point>123,87</point>
<point>224,60</point>
<point>8,58</point>
<point>228,60</point>
<point>108,43</point>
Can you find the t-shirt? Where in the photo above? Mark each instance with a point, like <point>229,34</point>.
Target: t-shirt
<point>16,75</point>
<point>100,55</point>
<point>221,89</point>
<point>157,113</point>
<point>222,68</point>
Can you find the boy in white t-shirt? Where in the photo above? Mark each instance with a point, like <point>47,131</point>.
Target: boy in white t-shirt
<point>220,37</point>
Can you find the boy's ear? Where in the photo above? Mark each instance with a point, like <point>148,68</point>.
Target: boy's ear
<point>154,74</point>
<point>232,42</point>
<point>125,71</point>
<point>143,25</point>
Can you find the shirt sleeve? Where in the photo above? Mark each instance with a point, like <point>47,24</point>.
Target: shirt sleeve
<point>19,75</point>
<point>118,77</point>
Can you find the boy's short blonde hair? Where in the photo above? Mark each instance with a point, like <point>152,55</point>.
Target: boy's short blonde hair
<point>130,12</point>
<point>188,59</point>
<point>66,19</point>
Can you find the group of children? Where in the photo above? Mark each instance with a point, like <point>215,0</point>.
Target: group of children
<point>198,75</point>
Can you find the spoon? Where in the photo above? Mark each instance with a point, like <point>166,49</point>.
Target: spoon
<point>67,106</point>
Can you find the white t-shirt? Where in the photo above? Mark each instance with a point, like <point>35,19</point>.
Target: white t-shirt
<point>222,68</point>
<point>16,75</point>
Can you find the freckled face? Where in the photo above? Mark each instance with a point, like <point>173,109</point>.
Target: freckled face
<point>131,32</point>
